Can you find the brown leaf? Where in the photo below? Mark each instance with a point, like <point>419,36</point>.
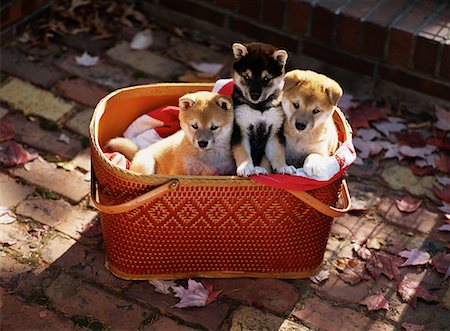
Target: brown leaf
<point>381,263</point>
<point>413,327</point>
<point>443,194</point>
<point>410,290</point>
<point>7,131</point>
<point>13,154</point>
<point>364,112</point>
<point>354,272</point>
<point>375,302</point>
<point>441,262</point>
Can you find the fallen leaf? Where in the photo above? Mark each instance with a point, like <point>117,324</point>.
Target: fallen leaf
<point>443,163</point>
<point>208,68</point>
<point>411,290</point>
<point>362,250</point>
<point>360,115</point>
<point>445,208</point>
<point>441,140</point>
<point>5,238</point>
<point>443,194</point>
<point>324,274</point>
<point>366,148</point>
<point>441,262</point>
<point>375,243</point>
<point>358,205</point>
<point>212,294</point>
<point>64,138</point>
<point>195,295</point>
<point>375,302</point>
<point>408,204</point>
<point>43,314</point>
<point>13,154</point>
<point>443,118</point>
<point>162,286</point>
<point>444,227</point>
<point>413,327</point>
<point>142,40</point>
<point>422,152</point>
<point>422,171</point>
<point>87,60</point>
<point>393,124</point>
<point>368,134</point>
<point>7,131</point>
<point>354,272</point>
<point>414,257</point>
<point>6,215</point>
<point>385,264</point>
<point>444,180</point>
<point>69,165</point>
<point>413,139</point>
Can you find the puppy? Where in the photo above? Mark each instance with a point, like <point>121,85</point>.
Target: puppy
<point>309,101</point>
<point>202,146</point>
<point>258,72</point>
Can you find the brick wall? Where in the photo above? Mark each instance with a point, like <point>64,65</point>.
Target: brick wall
<point>405,42</point>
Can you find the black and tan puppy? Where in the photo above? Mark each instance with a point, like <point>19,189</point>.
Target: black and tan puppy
<point>258,73</point>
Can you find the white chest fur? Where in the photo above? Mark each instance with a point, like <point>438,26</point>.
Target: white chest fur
<point>246,117</point>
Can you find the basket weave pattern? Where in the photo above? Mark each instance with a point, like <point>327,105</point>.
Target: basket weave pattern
<point>213,229</point>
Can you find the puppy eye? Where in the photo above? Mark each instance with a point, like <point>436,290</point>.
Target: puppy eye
<point>195,126</point>
<point>316,111</point>
<point>267,79</point>
<point>214,127</point>
<point>296,105</point>
<point>246,77</point>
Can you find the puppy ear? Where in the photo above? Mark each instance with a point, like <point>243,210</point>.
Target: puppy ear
<point>334,93</point>
<point>186,102</point>
<point>280,56</point>
<point>239,51</point>
<point>224,102</point>
<point>291,79</point>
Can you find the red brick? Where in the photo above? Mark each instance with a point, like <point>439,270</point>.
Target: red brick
<point>358,9</point>
<point>340,292</point>
<point>85,42</point>
<point>271,294</point>
<point>250,8</point>
<point>82,91</point>
<point>399,47</point>
<point>412,19</point>
<point>425,54</point>
<point>322,24</point>
<point>374,39</point>
<point>421,220</point>
<point>75,298</point>
<point>273,12</point>
<point>416,83</point>
<point>263,35</point>
<point>347,33</point>
<point>338,58</point>
<point>437,27</point>
<point>230,4</point>
<point>386,12</point>
<point>16,64</point>
<point>331,5</point>
<point>445,63</point>
<point>211,316</point>
<point>20,315</point>
<point>324,316</point>
<point>299,13</point>
<point>195,10</point>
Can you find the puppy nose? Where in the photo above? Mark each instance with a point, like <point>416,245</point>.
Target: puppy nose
<point>202,143</point>
<point>300,126</point>
<point>255,95</point>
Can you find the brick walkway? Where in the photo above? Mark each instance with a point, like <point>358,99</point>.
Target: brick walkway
<point>52,259</point>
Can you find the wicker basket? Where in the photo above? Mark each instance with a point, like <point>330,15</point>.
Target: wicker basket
<point>170,227</point>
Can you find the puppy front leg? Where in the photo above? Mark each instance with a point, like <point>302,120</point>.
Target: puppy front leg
<point>320,167</point>
<point>276,153</point>
<point>242,156</point>
<point>144,162</point>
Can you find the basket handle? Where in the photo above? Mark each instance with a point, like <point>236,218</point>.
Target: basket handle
<point>132,204</point>
<point>324,208</point>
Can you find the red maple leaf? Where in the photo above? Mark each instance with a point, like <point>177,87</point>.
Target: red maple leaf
<point>384,264</point>
<point>375,302</point>
<point>360,115</point>
<point>441,140</point>
<point>443,194</point>
<point>413,139</point>
<point>443,163</point>
<point>441,262</point>
<point>7,131</point>
<point>422,171</point>
<point>410,290</point>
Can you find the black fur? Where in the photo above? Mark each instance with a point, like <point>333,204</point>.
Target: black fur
<point>258,141</point>
<point>272,101</point>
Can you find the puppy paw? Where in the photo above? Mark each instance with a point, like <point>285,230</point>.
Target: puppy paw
<point>260,171</point>
<point>316,166</point>
<point>287,170</point>
<point>245,170</point>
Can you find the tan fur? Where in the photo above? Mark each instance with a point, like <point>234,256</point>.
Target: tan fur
<point>311,91</point>
<point>180,153</point>
<point>122,145</point>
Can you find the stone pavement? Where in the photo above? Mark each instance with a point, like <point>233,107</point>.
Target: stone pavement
<point>52,258</point>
